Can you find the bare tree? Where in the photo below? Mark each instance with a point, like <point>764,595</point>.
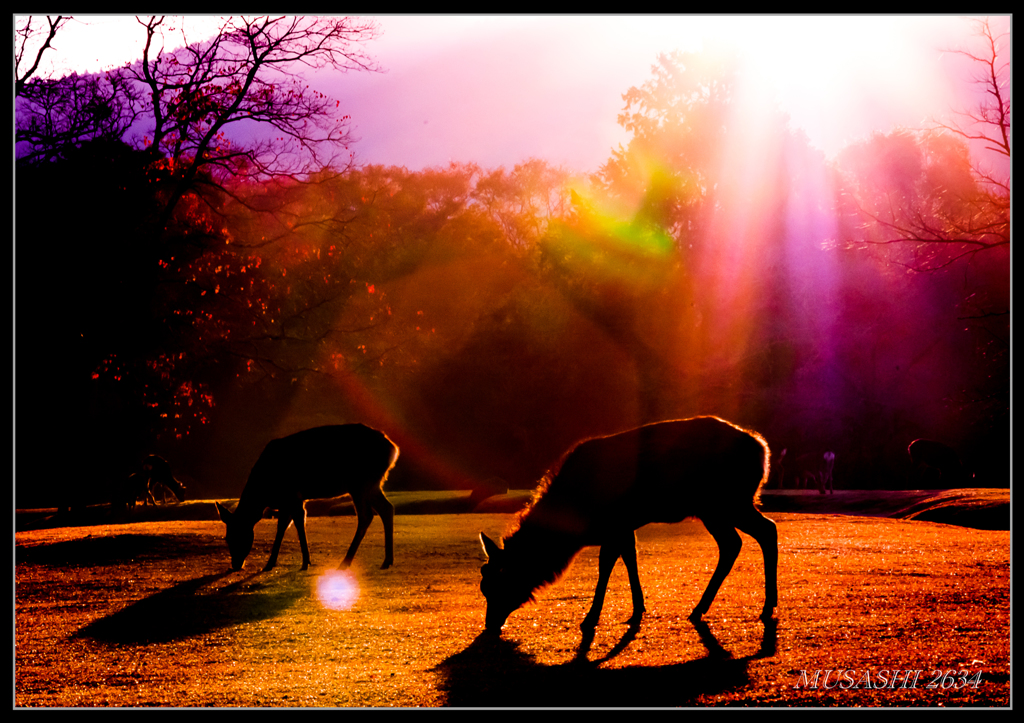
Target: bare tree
<point>236,105</point>
<point>27,33</point>
<point>945,205</point>
<point>247,81</point>
<point>990,121</point>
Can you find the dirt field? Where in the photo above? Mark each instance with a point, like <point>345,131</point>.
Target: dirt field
<point>873,612</point>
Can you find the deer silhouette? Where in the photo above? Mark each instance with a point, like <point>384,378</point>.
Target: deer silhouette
<point>159,472</point>
<point>606,488</point>
<point>317,463</point>
<point>816,468</point>
<point>141,485</point>
<point>131,490</point>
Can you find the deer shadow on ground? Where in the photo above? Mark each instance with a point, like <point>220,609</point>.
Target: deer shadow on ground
<point>186,610</point>
<point>114,549</point>
<point>494,672</point>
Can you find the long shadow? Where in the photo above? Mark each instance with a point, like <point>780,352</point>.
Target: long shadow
<point>181,611</point>
<point>114,549</point>
<point>494,672</point>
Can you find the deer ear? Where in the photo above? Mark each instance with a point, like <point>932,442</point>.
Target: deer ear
<point>491,548</point>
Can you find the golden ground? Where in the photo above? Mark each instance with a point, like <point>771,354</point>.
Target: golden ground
<point>147,614</point>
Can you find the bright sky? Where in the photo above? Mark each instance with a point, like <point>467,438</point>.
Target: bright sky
<point>499,89</point>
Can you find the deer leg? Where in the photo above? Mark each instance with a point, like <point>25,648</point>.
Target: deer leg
<point>383,507</point>
<point>364,514</point>
<point>607,558</point>
<point>764,531</point>
<point>629,558</point>
<point>729,545</point>
<point>284,518</point>
<point>300,527</point>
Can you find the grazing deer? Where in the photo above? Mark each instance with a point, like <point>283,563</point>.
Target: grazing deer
<point>159,473</point>
<point>817,468</point>
<point>318,463</point>
<point>140,486</point>
<point>608,487</point>
<point>936,461</point>
<point>132,490</point>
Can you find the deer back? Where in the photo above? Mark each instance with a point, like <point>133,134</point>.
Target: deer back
<point>319,463</point>
<point>662,472</point>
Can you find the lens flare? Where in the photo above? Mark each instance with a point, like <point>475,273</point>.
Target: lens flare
<point>337,590</point>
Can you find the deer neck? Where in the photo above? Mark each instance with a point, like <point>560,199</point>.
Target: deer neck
<point>249,510</point>
<point>540,555</point>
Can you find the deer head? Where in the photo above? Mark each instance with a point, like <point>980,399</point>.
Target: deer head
<point>503,590</point>
<point>239,536</point>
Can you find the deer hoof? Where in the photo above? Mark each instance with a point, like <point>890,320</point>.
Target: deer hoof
<point>588,624</point>
<point>387,564</point>
<point>268,567</point>
<point>697,614</point>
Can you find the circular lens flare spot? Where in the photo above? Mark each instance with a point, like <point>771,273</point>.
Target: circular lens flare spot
<point>337,590</point>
